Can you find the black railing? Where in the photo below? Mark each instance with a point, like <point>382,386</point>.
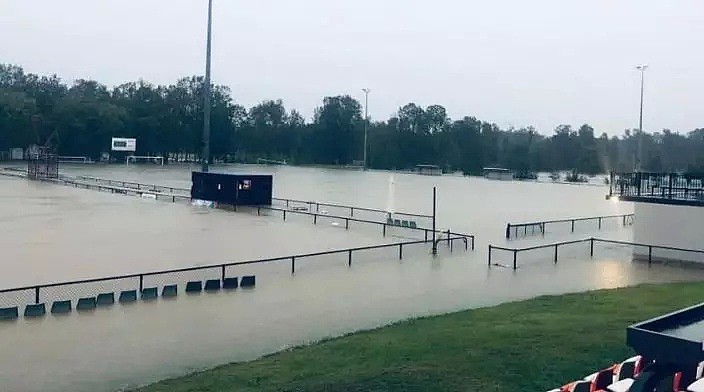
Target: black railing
<point>658,187</point>
<point>296,204</point>
<point>139,284</point>
<point>312,208</point>
<point>516,230</point>
<point>591,241</point>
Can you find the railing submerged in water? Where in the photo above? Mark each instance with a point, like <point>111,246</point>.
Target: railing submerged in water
<point>289,206</point>
<point>130,287</point>
<point>591,241</point>
<point>669,188</point>
<point>515,230</point>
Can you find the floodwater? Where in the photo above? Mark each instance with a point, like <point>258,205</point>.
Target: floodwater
<point>54,233</point>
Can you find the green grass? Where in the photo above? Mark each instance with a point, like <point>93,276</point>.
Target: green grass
<point>532,345</point>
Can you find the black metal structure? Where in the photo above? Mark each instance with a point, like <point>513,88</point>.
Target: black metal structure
<point>671,344</point>
<point>663,188</point>
<point>42,164</point>
<point>233,189</point>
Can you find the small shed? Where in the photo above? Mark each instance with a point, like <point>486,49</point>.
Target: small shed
<point>234,189</point>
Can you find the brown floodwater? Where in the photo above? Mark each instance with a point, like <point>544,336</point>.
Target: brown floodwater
<point>54,233</point>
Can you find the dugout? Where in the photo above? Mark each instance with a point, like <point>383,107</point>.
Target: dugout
<point>235,189</point>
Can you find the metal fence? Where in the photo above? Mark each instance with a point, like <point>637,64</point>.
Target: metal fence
<point>664,187</point>
<point>519,230</point>
<point>88,294</point>
<point>591,241</point>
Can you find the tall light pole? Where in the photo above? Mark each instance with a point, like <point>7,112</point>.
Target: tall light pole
<point>366,120</point>
<point>639,161</point>
<point>206,93</point>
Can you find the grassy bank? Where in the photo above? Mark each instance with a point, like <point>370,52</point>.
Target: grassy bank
<point>531,345</point>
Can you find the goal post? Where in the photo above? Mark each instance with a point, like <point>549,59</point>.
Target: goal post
<point>158,160</point>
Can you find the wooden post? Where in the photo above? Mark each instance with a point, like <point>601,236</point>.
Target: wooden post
<point>284,214</point>
<point>141,283</point>
<point>599,223</point>
<point>347,224</point>
<point>490,255</point>
<point>573,225</point>
<point>349,258</point>
<point>591,247</point>
<point>383,230</point>
<point>650,254</point>
<point>400,251</point>
<point>222,273</point>
<point>508,231</point>
<point>293,265</point>
<point>36,295</point>
<point>515,253</point>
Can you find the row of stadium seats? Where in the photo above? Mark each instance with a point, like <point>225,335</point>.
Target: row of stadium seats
<point>621,376</point>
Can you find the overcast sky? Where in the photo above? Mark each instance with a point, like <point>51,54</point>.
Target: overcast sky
<point>513,62</point>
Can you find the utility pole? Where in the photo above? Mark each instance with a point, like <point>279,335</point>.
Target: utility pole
<point>206,94</point>
<point>366,120</point>
<point>639,161</point>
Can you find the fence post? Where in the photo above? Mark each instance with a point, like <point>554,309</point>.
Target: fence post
<point>383,229</point>
<point>259,211</point>
<point>400,251</point>
<point>573,225</point>
<point>222,273</point>
<point>650,254</point>
<point>36,295</point>
<point>315,219</point>
<point>489,263</point>
<point>508,231</point>
<point>515,253</point>
<point>599,223</point>
<point>472,242</point>
<point>448,237</point>
<point>555,254</point>
<point>173,199</point>
<point>591,247</point>
<point>349,258</point>
<point>351,211</point>
<point>293,264</point>
<point>426,234</point>
<point>347,224</point>
<point>284,214</point>
<point>286,203</point>
<point>451,243</point>
<point>141,283</point>
<point>317,207</point>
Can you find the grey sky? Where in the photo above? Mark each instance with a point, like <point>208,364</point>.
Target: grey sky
<point>513,62</point>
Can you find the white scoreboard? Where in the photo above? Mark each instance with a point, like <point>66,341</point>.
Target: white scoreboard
<point>124,144</point>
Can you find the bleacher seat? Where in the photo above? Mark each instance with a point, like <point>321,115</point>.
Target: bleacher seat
<point>212,285</point>
<point>404,223</point>
<point>149,293</point>
<point>10,313</point>
<point>87,303</point>
<point>397,222</point>
<point>105,299</point>
<point>59,307</point>
<point>194,287</point>
<point>248,281</point>
<point>229,283</point>
<point>623,385</point>
<point>412,225</point>
<point>697,386</point>
<point>169,291</point>
<point>35,310</point>
<point>389,221</point>
<point>128,296</point>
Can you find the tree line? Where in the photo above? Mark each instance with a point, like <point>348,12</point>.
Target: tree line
<point>81,118</point>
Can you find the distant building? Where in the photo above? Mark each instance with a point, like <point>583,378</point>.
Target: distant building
<point>429,170</point>
<point>669,211</point>
<point>497,173</point>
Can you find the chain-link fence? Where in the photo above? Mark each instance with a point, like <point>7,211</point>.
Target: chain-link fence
<point>85,295</point>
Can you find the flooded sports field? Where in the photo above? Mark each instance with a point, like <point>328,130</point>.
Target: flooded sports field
<point>54,233</point>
